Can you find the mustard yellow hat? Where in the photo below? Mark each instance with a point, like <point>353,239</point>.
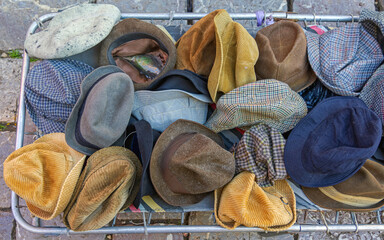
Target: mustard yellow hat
<point>243,202</point>
<point>44,174</point>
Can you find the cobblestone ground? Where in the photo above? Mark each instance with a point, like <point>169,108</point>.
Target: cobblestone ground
<point>16,16</point>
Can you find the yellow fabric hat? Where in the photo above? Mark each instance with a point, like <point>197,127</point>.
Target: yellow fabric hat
<point>221,49</point>
<point>236,56</point>
<point>243,202</point>
<point>44,174</point>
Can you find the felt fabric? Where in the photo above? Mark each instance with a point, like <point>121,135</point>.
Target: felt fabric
<point>332,142</point>
<point>44,174</point>
<point>108,184</point>
<point>243,202</point>
<point>189,161</point>
<point>283,55</point>
<point>267,101</point>
<point>362,192</point>
<point>137,35</point>
<point>102,111</point>
<point>73,31</point>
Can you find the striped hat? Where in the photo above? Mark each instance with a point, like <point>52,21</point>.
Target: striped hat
<point>266,101</point>
<point>344,58</point>
<point>52,88</point>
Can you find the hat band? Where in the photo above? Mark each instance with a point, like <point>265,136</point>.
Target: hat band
<point>356,201</point>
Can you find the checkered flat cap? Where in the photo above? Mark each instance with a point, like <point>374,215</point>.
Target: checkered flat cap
<point>261,152</point>
<point>266,101</point>
<point>52,88</point>
<point>344,58</point>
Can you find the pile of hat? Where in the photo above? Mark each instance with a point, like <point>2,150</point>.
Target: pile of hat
<point>128,112</point>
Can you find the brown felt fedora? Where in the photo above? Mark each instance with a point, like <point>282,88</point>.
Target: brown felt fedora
<point>362,192</point>
<point>189,161</point>
<point>108,184</point>
<point>283,55</point>
<point>132,29</point>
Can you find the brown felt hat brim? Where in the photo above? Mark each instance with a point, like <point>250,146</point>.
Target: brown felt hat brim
<point>175,129</point>
<point>132,29</point>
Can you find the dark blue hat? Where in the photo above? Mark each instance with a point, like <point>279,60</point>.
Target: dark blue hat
<point>184,80</point>
<point>52,88</point>
<point>332,142</point>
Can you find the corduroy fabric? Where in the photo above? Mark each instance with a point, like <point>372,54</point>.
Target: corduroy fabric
<point>199,164</point>
<point>108,184</point>
<point>283,55</point>
<point>52,88</point>
<point>355,193</point>
<point>73,31</point>
<point>268,101</point>
<point>332,142</point>
<point>44,174</point>
<point>243,202</point>
<point>101,114</point>
<point>221,49</point>
<point>261,152</point>
<point>132,29</point>
<point>344,58</point>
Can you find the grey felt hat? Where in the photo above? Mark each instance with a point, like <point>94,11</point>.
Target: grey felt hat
<point>73,31</point>
<point>102,112</point>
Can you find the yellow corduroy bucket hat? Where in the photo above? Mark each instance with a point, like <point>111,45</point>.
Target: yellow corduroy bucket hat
<point>44,174</point>
<point>108,184</point>
<point>220,49</point>
<point>243,202</point>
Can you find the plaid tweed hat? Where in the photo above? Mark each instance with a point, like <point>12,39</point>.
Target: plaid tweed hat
<point>52,88</point>
<point>261,152</point>
<point>73,31</point>
<point>344,58</point>
<point>266,101</point>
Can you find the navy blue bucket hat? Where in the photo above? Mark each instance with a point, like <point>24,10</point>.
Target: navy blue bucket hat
<point>184,80</point>
<point>52,88</point>
<point>332,142</point>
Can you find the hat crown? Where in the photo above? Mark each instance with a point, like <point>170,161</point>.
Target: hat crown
<point>345,135</point>
<point>194,164</point>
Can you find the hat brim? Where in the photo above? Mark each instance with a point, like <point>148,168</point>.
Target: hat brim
<point>322,200</point>
<point>70,181</point>
<point>175,129</point>
<point>87,84</point>
<point>132,29</point>
<point>296,141</point>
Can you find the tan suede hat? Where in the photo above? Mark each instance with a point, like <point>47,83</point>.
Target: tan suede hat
<point>132,29</point>
<point>108,184</point>
<point>362,192</point>
<point>44,174</point>
<point>243,202</point>
<point>221,49</point>
<point>189,161</point>
<point>283,55</point>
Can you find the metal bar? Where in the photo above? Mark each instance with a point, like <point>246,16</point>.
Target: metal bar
<point>197,229</point>
<point>378,216</point>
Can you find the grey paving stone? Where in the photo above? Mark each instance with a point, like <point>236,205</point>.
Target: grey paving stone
<point>22,234</point>
<point>157,236</point>
<point>7,146</point>
<point>6,225</point>
<point>332,7</point>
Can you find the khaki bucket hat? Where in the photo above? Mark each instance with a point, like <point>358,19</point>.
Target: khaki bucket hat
<point>108,184</point>
<point>44,174</point>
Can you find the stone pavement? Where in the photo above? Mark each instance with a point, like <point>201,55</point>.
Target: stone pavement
<point>16,16</point>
